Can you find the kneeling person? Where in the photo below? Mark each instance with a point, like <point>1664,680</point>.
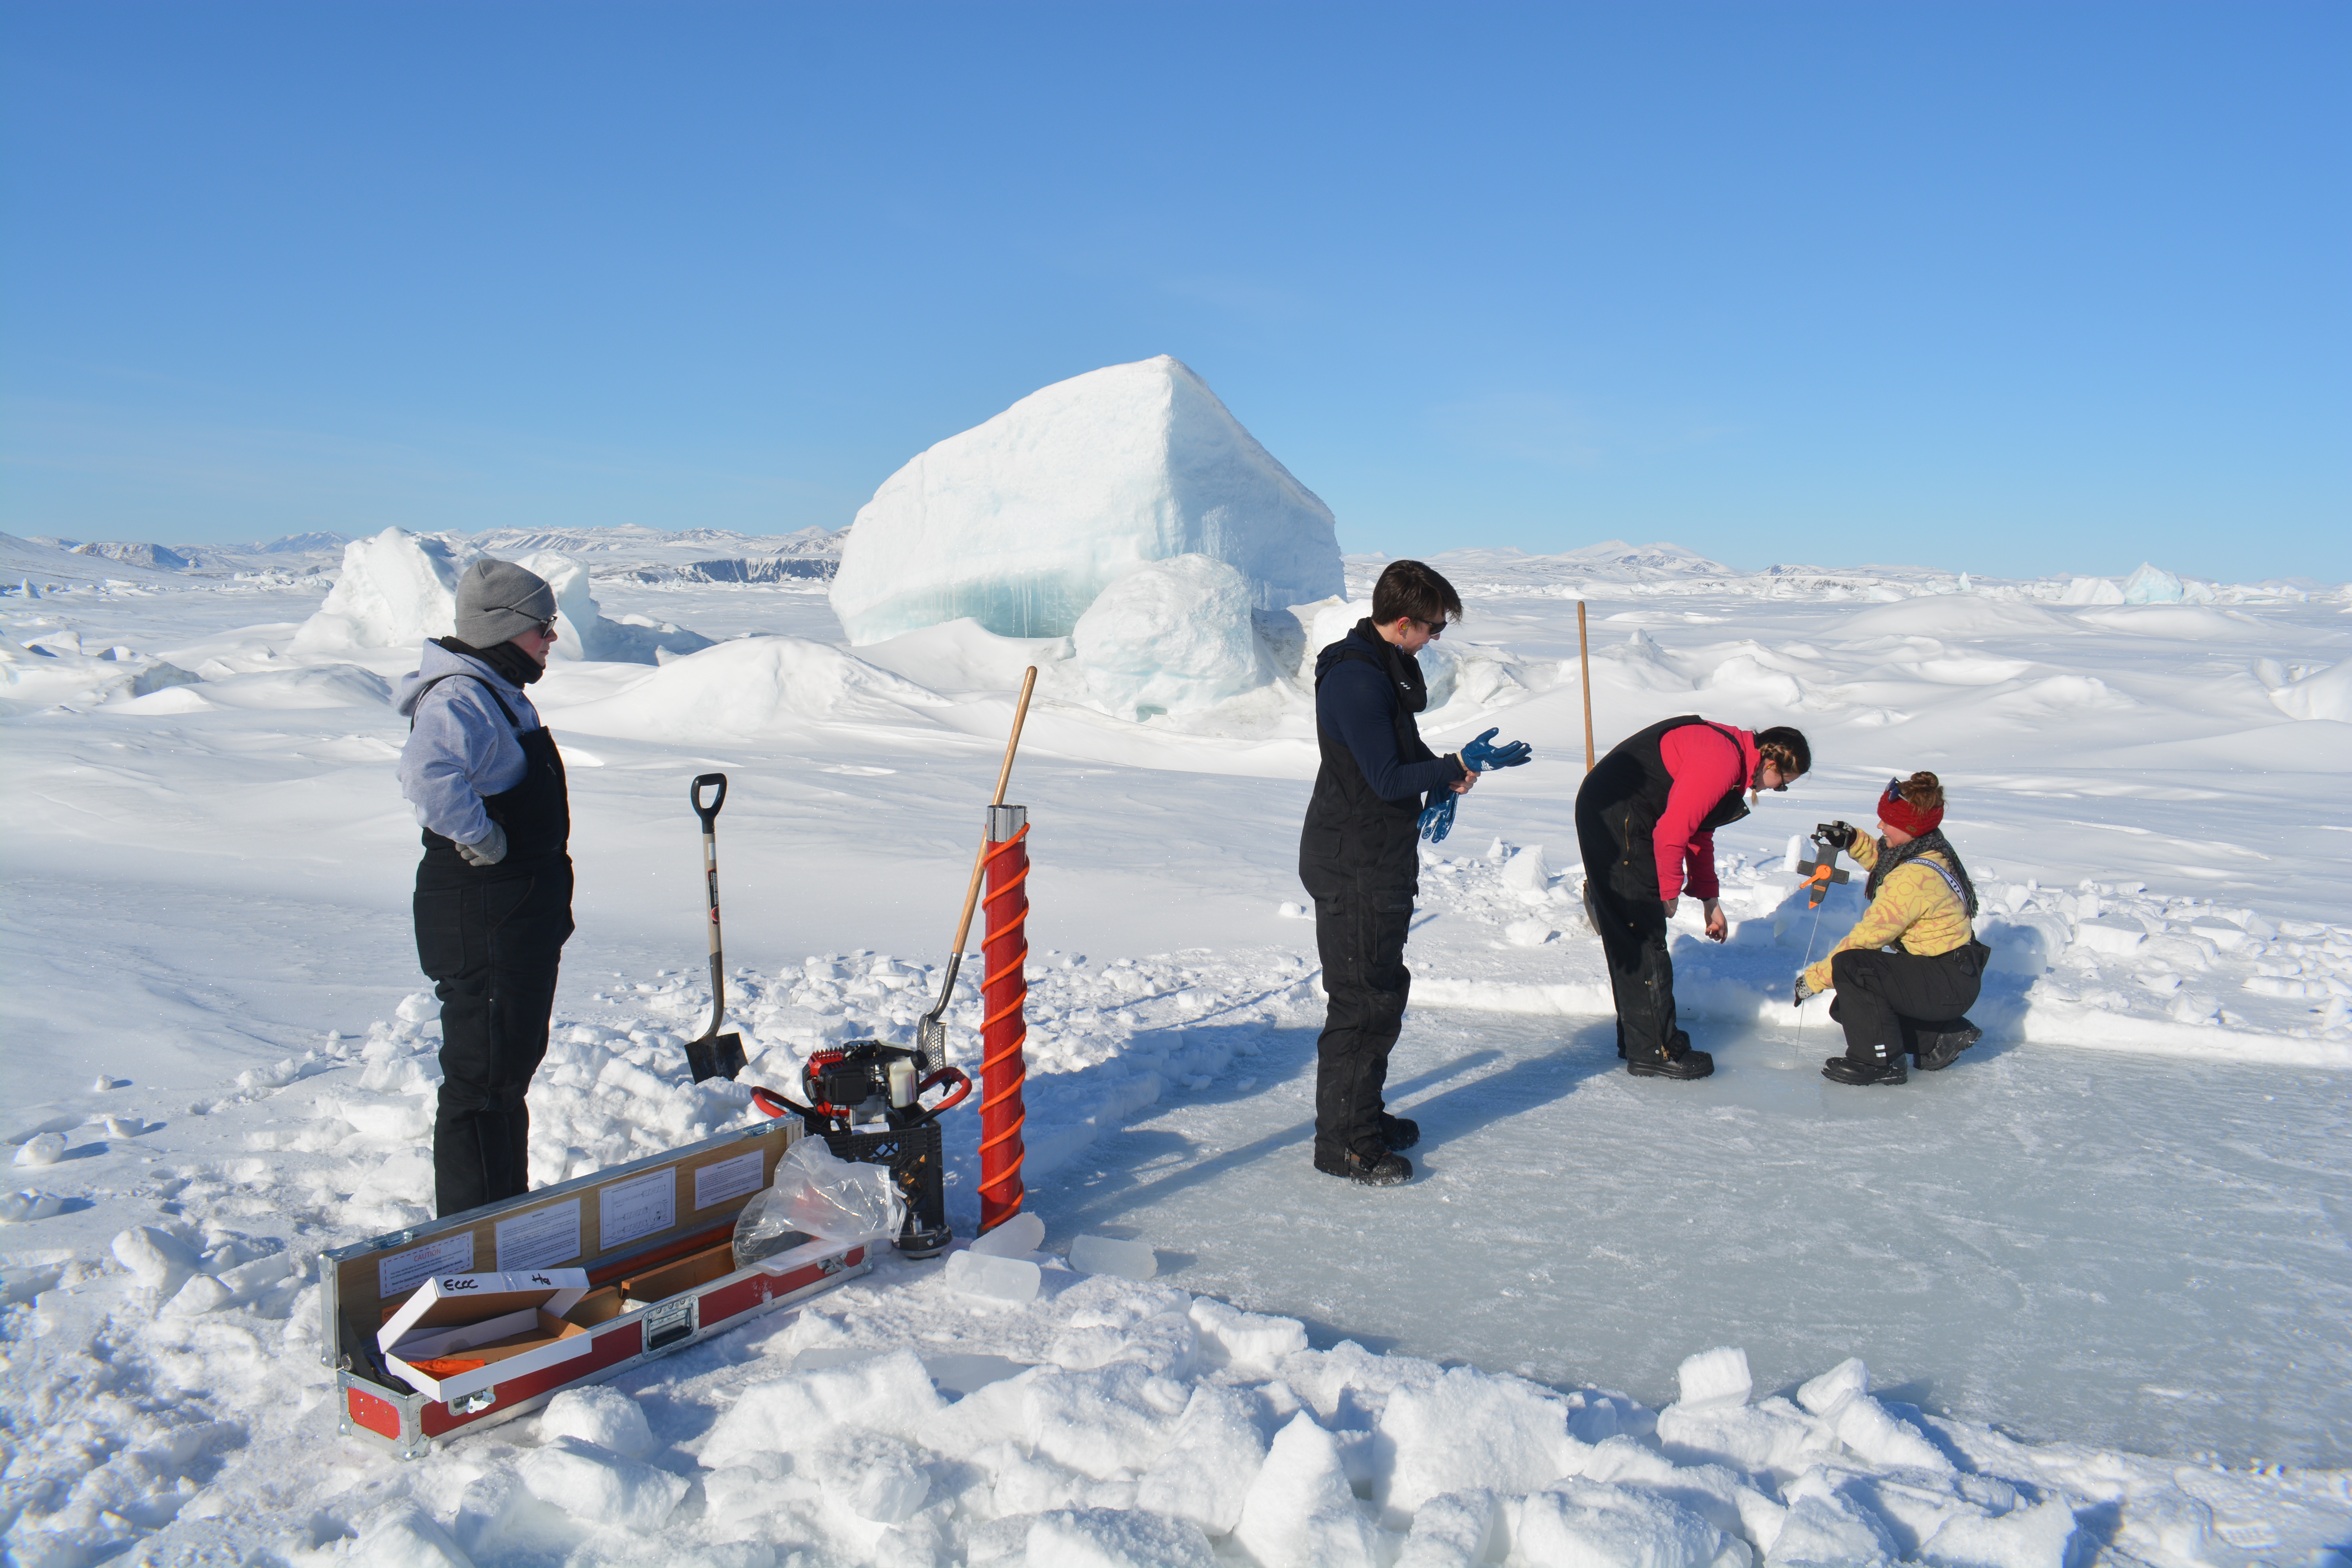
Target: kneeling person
<point>1895,1004</point>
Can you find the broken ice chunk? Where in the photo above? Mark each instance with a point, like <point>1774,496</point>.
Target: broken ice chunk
<point>2110,936</point>
<point>1017,1237</point>
<point>1835,1386</point>
<point>1107,1255</point>
<point>1000,1278</point>
<point>1715,1377</point>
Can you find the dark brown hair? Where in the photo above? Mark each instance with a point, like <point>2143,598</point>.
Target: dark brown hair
<point>1409,588</point>
<point>1922,792</point>
<point>1786,748</point>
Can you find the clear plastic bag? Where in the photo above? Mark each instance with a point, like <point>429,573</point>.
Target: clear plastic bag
<point>817,1195</point>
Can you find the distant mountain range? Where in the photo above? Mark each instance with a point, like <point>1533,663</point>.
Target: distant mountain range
<point>645,554</point>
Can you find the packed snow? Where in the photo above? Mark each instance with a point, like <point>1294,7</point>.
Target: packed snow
<point>2083,1297</point>
<point>1022,522</point>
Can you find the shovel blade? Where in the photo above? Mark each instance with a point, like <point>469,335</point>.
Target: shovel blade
<point>715,1056</point>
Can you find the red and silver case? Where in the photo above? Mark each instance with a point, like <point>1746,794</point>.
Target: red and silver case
<point>656,1241</point>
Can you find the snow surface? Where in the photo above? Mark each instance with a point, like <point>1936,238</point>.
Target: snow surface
<point>2085,1297</point>
<point>1020,522</point>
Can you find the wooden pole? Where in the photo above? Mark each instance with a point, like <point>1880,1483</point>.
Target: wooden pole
<point>1584,659</point>
<point>1004,778</point>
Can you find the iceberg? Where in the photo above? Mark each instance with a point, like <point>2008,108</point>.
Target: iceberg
<point>1021,522</point>
<point>582,631</point>
<point>1174,636</point>
<point>395,590</point>
<point>2153,585</point>
<point>399,588</point>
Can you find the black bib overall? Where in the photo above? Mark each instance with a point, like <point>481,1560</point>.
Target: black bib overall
<point>1617,812</point>
<point>1359,858</point>
<point>490,938</point>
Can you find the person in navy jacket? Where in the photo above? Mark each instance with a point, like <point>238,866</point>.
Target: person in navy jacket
<point>1379,790</point>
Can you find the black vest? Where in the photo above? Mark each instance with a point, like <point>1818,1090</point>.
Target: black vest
<point>1637,776</point>
<point>536,813</point>
<point>1354,840</point>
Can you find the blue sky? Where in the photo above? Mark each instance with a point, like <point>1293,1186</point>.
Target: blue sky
<point>2009,288</point>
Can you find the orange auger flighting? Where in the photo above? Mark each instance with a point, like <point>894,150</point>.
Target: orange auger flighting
<point>874,1082</point>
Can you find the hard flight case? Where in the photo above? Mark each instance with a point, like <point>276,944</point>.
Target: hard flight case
<point>655,1241</point>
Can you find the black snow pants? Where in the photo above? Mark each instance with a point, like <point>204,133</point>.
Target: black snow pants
<point>1359,936</point>
<point>490,939</point>
<point>1621,879</point>
<point>1885,998</point>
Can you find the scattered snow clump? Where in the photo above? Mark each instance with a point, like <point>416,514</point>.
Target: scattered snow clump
<point>601,1414</point>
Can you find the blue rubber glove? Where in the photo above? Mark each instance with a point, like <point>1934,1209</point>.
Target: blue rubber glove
<point>1438,820</point>
<point>1481,758</point>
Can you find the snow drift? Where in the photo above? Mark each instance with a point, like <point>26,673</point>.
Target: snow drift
<point>1020,522</point>
<point>752,686</point>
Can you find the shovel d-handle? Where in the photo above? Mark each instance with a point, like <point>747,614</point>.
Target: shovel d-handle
<point>710,814</point>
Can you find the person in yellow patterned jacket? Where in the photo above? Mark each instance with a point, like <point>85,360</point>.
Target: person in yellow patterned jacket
<point>1911,967</point>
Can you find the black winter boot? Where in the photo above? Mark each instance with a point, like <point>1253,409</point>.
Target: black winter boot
<point>1941,1044</point>
<point>1397,1132</point>
<point>1369,1163</point>
<point>1677,1061</point>
<point>1884,1064</point>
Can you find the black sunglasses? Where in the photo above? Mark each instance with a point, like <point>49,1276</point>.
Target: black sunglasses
<point>544,628</point>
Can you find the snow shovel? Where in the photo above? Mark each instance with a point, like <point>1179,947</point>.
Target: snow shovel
<point>711,1054</point>
<point>932,1033</point>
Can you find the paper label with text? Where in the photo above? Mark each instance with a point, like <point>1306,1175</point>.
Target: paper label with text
<point>627,1210</point>
<point>403,1271</point>
<point>724,1179</point>
<point>534,1240</point>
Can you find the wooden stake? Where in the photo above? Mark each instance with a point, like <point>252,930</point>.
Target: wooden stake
<point>1004,778</point>
<point>1584,658</point>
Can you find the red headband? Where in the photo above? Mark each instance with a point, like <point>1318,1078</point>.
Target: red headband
<point>1896,812</point>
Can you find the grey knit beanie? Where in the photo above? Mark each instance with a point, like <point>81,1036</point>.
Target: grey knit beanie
<point>498,601</point>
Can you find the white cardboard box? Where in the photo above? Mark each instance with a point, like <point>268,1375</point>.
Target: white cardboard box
<point>513,1323</point>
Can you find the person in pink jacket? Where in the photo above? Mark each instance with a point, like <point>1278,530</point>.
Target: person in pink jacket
<point>1645,820</point>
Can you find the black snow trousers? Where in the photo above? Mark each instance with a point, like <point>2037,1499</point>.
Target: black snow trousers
<point>491,944</point>
<point>1885,998</point>
<point>1359,936</point>
<point>1621,879</point>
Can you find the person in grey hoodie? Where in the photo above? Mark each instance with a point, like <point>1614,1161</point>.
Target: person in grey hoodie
<point>494,889</point>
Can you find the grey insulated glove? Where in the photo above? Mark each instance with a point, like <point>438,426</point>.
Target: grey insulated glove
<point>1805,992</point>
<point>490,850</point>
